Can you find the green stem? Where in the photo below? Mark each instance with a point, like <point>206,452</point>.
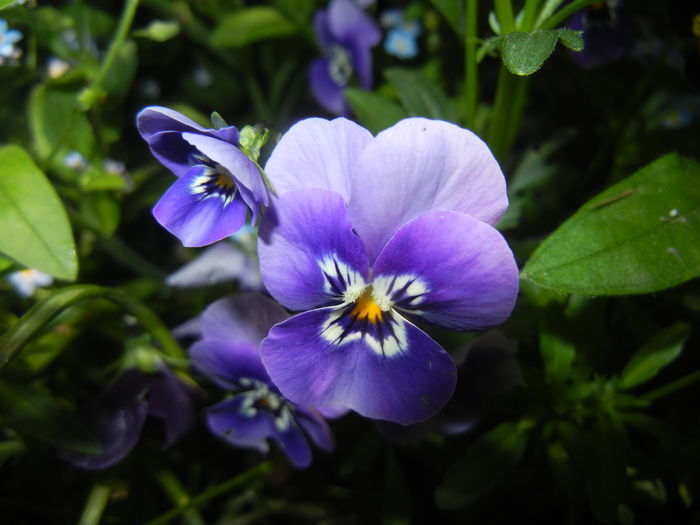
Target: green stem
<point>178,496</point>
<point>506,112</point>
<point>471,66</point>
<point>95,505</point>
<point>529,13</point>
<point>34,321</point>
<point>567,11</point>
<point>672,387</point>
<point>504,13</point>
<point>216,490</point>
<point>93,93</point>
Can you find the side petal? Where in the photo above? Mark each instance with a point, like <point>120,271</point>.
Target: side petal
<point>315,426</point>
<point>227,362</point>
<point>154,119</point>
<point>328,93</point>
<point>172,151</point>
<point>419,165</point>
<point>231,421</point>
<point>407,386</point>
<point>309,255</point>
<point>245,317</point>
<point>295,446</point>
<point>450,269</point>
<point>243,170</point>
<point>171,400</point>
<point>317,153</point>
<point>195,218</point>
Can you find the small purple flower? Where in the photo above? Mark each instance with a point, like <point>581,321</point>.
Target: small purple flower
<point>606,30</point>
<point>117,416</point>
<point>346,35</point>
<point>217,183</point>
<point>369,234</point>
<point>229,353</point>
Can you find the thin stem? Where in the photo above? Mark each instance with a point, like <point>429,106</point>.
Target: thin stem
<point>92,93</point>
<point>177,494</point>
<point>504,13</point>
<point>672,387</point>
<point>471,66</point>
<point>529,12</point>
<point>216,490</point>
<point>506,112</point>
<point>95,505</point>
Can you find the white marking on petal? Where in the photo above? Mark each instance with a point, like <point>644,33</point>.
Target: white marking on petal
<point>392,345</point>
<point>334,268</point>
<point>332,331</point>
<point>283,419</point>
<point>386,288</point>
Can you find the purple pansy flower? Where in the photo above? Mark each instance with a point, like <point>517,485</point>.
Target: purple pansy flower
<point>346,35</point>
<point>117,416</point>
<point>229,353</point>
<point>369,234</point>
<point>217,183</point>
<point>606,30</point>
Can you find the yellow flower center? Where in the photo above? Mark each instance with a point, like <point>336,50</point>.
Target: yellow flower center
<point>224,181</point>
<point>366,308</point>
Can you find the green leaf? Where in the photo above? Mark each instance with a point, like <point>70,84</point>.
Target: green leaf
<point>101,210</point>
<point>452,11</point>
<point>639,236</point>
<point>251,25</point>
<point>571,39</point>
<point>376,112</point>
<point>159,30</point>
<point>57,123</point>
<point>662,348</point>
<point>524,53</point>
<point>39,415</point>
<point>420,95</point>
<point>486,462</point>
<point>4,4</point>
<point>34,228</point>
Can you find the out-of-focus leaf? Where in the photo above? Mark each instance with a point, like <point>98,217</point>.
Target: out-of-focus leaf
<point>57,123</point>
<point>419,95</point>
<point>101,210</point>
<point>298,11</point>
<point>40,416</point>
<point>557,353</point>
<point>159,30</point>
<point>251,25</point>
<point>654,355</point>
<point>34,228</point>
<point>7,3</point>
<point>5,263</point>
<point>605,466</point>
<point>486,462</point>
<point>453,13</point>
<point>376,112</point>
<point>639,236</point>
<point>121,74</point>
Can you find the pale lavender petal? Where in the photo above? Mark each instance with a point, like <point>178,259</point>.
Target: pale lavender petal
<point>308,252</point>
<point>227,362</point>
<point>329,94</point>
<point>230,421</point>
<point>315,427</point>
<point>196,219</point>
<point>218,263</point>
<point>350,24</point>
<point>309,368</point>
<point>295,446</point>
<point>154,119</point>
<point>241,168</point>
<point>317,153</point>
<point>171,400</point>
<point>245,317</point>
<point>450,269</point>
<point>420,165</point>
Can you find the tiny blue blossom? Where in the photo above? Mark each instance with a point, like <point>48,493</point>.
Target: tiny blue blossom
<point>402,34</point>
<point>25,282</point>
<point>8,39</point>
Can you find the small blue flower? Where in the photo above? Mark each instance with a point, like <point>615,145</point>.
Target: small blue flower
<point>401,39</point>
<point>8,39</point>
<point>217,183</point>
<point>25,282</point>
<point>229,354</point>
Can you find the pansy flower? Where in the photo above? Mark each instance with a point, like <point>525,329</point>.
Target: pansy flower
<point>606,30</point>
<point>368,236</point>
<point>346,35</point>
<point>117,416</point>
<point>217,183</point>
<point>229,354</point>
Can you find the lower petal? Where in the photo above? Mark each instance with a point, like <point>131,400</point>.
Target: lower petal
<point>406,385</point>
<point>195,218</point>
<point>328,94</point>
<point>295,446</point>
<point>231,421</point>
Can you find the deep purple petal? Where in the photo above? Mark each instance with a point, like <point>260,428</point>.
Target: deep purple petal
<point>171,400</point>
<point>295,446</point>
<point>172,151</point>
<point>154,119</point>
<point>329,94</point>
<point>315,426</point>
<point>317,153</point>
<point>196,219</point>
<point>245,317</point>
<point>229,421</point>
<point>350,24</point>
<point>450,269</point>
<point>226,362</point>
<point>241,168</point>
<point>308,252</point>
<point>322,29</point>
<point>407,386</point>
<point>420,165</point>
<point>362,64</point>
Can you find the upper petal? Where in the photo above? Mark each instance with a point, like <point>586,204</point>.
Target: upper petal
<point>227,362</point>
<point>420,165</point>
<point>350,24</point>
<point>171,400</point>
<point>329,94</point>
<point>409,384</point>
<point>450,269</point>
<point>154,119</point>
<point>308,252</point>
<point>317,153</point>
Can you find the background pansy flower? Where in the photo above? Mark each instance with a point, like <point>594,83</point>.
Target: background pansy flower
<point>25,282</point>
<point>606,30</point>
<point>229,354</point>
<point>8,39</point>
<point>346,35</point>
<point>369,234</point>
<point>401,37</point>
<point>217,183</point>
<point>118,414</point>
